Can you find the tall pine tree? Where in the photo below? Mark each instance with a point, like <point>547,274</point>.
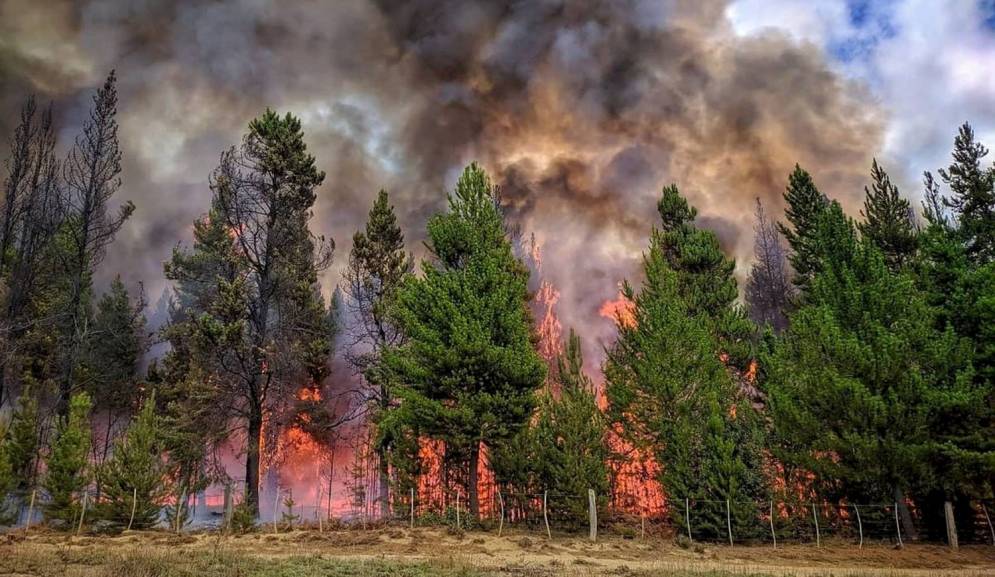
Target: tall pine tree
<point>667,384</point>
<point>469,370</point>
<point>889,221</point>
<point>378,265</point>
<point>804,205</point>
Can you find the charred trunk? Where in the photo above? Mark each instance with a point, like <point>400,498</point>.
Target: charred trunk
<point>252,460</point>
<point>472,484</point>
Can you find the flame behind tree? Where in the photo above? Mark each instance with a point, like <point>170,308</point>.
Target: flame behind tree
<point>261,330</point>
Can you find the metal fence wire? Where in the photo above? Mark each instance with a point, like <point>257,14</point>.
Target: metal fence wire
<point>771,522</point>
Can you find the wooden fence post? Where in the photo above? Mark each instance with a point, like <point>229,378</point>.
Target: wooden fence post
<point>501,521</point>
<point>815,515</point>
<point>458,492</point>
<point>82,512</point>
<point>772,533</point>
<point>983,508</point>
<point>228,506</point>
<point>687,516</point>
<point>860,525</point>
<point>545,516</point>
<point>412,507</point>
<point>948,512</point>
<point>729,521</point>
<point>898,526</point>
<point>134,505</point>
<point>31,512</point>
<point>276,509</point>
<point>592,513</point>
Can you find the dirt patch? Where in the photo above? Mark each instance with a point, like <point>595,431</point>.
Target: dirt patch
<point>532,555</point>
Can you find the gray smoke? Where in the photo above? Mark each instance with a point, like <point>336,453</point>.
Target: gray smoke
<point>582,111</point>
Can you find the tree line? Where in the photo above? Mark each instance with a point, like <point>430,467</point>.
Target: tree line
<point>857,368</point>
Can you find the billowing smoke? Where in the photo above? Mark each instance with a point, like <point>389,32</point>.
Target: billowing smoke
<point>582,111</point>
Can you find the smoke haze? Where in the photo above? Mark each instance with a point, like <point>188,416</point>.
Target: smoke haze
<point>581,111</point>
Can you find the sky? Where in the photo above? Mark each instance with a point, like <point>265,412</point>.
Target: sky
<point>930,64</point>
<point>581,111</point>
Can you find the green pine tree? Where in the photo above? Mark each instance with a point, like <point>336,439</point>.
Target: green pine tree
<point>571,438</point>
<point>972,199</point>
<point>804,205</point>
<point>378,264</point>
<point>864,385</point>
<point>667,384</point>
<point>888,220</point>
<point>67,473</point>
<point>469,367</point>
<point>23,435</point>
<point>135,477</point>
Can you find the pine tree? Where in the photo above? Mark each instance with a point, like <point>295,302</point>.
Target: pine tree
<point>67,473</point>
<point>667,384</point>
<point>135,476</point>
<point>257,325</point>
<point>972,199</point>
<point>92,176</point>
<point>888,220</point>
<point>571,437</point>
<point>469,369</point>
<point>23,440</point>
<point>804,205</point>
<point>378,265</point>
<point>114,348</point>
<point>863,386</point>
<point>769,292</point>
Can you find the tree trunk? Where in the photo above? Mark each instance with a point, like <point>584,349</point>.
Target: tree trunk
<point>252,460</point>
<point>473,500</point>
<point>905,515</point>
<point>384,483</point>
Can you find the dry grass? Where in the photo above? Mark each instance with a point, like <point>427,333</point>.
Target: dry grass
<point>393,552</point>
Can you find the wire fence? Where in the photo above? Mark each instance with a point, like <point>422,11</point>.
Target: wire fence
<point>771,523</point>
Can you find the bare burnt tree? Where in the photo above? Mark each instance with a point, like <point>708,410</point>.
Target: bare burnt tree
<point>92,176</point>
<point>769,291</point>
<point>378,264</point>
<point>31,214</point>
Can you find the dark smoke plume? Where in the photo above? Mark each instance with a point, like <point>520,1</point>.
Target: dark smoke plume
<point>582,111</point>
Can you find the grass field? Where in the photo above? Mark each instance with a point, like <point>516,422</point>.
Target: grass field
<point>392,552</point>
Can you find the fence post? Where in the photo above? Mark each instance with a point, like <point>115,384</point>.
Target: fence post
<point>860,526</point>
<point>82,512</point>
<point>729,521</point>
<point>948,512</point>
<point>687,515</point>
<point>458,492</point>
<point>815,515</point>
<point>592,513</point>
<point>772,533</point>
<point>412,507</point>
<point>898,526</point>
<point>276,509</point>
<point>983,508</point>
<point>642,522</point>
<point>501,521</point>
<point>134,504</point>
<point>545,516</point>
<point>228,508</point>
<point>31,512</point>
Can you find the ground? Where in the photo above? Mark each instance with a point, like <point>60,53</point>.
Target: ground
<point>397,552</point>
